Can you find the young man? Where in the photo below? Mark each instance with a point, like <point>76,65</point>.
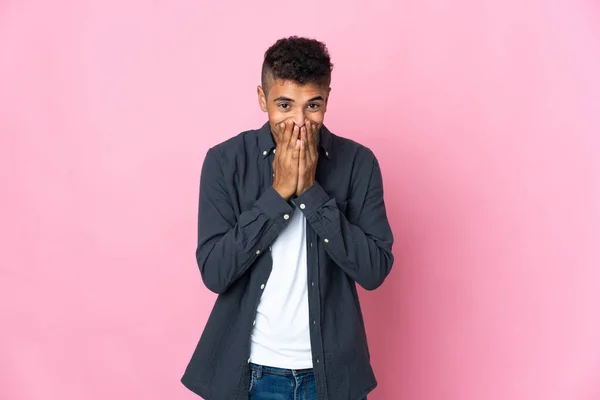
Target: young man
<point>291,218</point>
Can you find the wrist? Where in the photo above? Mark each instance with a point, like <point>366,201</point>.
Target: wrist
<point>285,194</point>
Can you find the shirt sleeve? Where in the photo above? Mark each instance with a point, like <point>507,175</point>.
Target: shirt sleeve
<point>228,244</point>
<point>363,250</point>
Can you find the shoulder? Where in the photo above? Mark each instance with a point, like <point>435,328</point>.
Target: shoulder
<point>352,150</point>
<point>242,143</point>
<point>236,152</point>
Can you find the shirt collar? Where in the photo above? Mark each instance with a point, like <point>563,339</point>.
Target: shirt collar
<point>267,144</point>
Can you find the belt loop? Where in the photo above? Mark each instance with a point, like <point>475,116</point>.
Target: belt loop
<point>259,371</point>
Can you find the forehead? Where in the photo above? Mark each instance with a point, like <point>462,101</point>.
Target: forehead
<point>295,91</point>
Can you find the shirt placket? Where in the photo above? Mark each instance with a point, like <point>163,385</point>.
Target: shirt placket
<point>314,307</point>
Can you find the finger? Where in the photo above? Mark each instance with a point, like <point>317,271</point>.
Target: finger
<point>297,143</point>
<point>287,133</point>
<point>309,131</point>
<point>281,136</point>
<point>312,140</point>
<point>302,143</point>
<point>302,155</point>
<point>294,139</point>
<point>303,133</point>
<point>296,152</point>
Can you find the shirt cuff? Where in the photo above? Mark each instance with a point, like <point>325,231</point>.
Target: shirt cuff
<point>275,206</point>
<point>312,199</point>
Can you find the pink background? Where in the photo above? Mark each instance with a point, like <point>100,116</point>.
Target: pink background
<point>485,115</point>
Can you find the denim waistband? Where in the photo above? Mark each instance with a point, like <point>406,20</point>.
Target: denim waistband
<point>263,369</point>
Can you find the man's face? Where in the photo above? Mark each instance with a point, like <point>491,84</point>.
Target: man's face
<point>287,100</point>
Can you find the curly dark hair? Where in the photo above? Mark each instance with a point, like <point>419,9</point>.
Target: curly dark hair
<point>297,59</point>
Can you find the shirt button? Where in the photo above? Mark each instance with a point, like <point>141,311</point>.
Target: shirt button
<point>312,284</point>
<point>257,252</point>
<point>326,240</point>
<point>248,361</point>
<point>302,206</point>
<point>327,153</point>
<point>314,322</point>
<point>265,153</point>
<point>310,244</point>
<point>270,248</point>
<point>274,150</point>
<point>262,286</point>
<point>253,322</point>
<point>318,361</point>
<point>286,216</point>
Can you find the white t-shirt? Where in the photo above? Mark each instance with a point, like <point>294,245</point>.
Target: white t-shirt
<point>281,334</point>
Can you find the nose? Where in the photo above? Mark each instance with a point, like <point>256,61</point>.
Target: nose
<point>299,119</point>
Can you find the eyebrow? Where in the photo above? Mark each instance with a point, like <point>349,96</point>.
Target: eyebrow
<point>281,98</point>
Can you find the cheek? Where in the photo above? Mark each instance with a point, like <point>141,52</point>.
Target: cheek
<point>277,117</point>
<point>316,118</point>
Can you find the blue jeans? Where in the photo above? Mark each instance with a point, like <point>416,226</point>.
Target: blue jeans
<point>269,383</point>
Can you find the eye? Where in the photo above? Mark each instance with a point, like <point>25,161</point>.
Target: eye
<point>314,106</point>
<point>284,106</point>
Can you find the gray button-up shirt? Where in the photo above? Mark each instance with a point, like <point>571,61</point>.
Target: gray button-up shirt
<point>349,241</point>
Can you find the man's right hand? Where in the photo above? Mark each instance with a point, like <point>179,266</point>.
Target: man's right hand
<point>286,161</point>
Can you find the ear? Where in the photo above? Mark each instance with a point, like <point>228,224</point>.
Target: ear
<point>262,98</point>
<point>327,98</point>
